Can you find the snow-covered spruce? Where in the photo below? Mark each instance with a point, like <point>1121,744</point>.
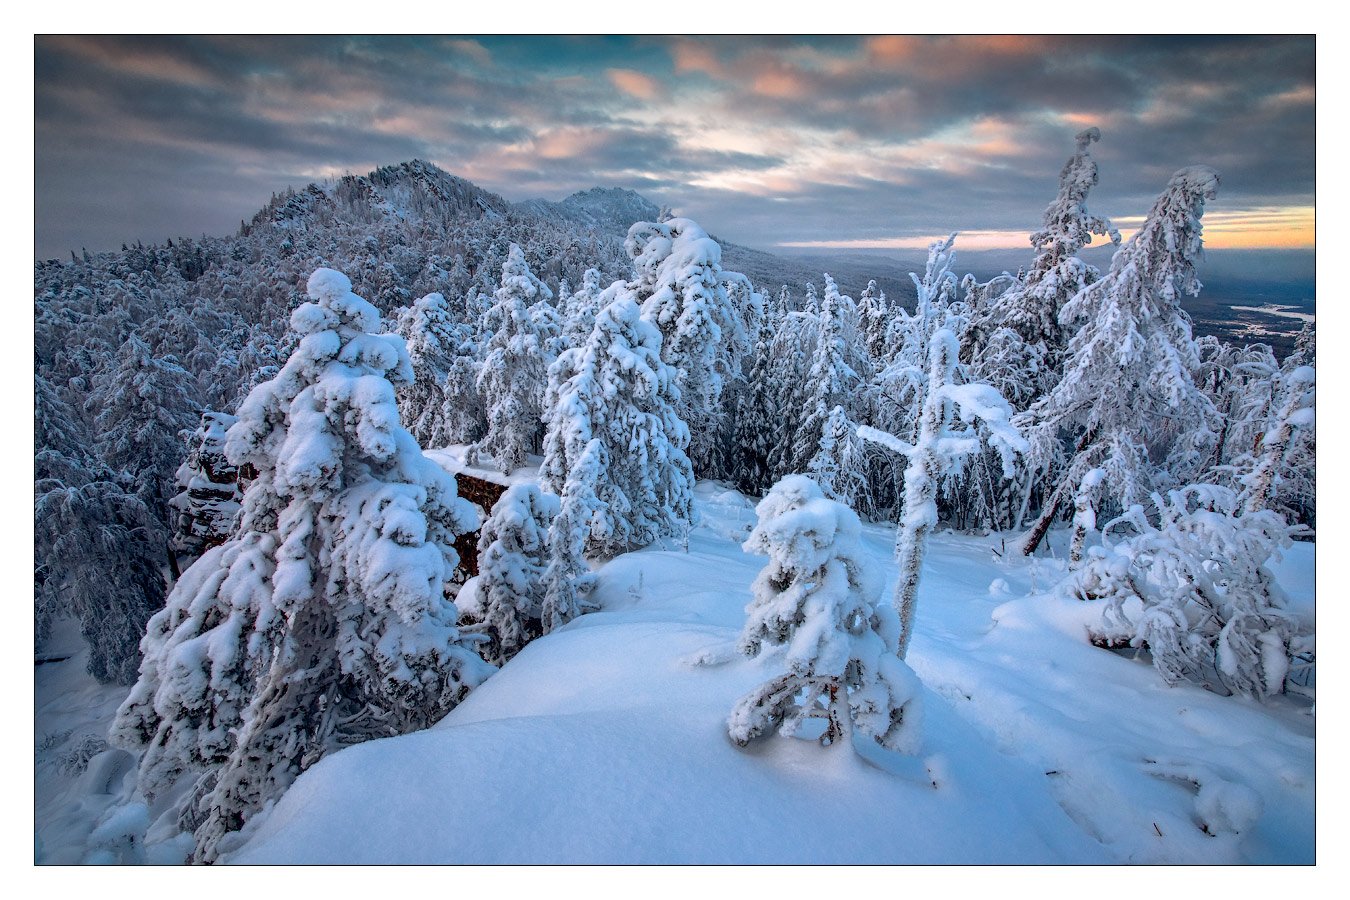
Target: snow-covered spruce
<point>1030,310</point>
<point>100,559</point>
<point>207,502</point>
<point>512,557</point>
<point>1295,399</point>
<point>1195,590</point>
<point>514,372</point>
<point>682,290</point>
<point>434,338</point>
<point>941,442</point>
<point>146,413</point>
<point>618,394</point>
<point>831,380</point>
<point>325,621</point>
<point>1127,399</point>
<point>816,597</point>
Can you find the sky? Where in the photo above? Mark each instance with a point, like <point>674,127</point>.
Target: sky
<point>776,143</point>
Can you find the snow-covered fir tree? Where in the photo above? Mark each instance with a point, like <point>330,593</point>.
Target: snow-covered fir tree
<point>874,316</point>
<point>1293,411</point>
<point>617,391</point>
<point>817,598</point>
<point>792,355</point>
<point>830,382</point>
<point>757,420</point>
<point>514,371</point>
<point>326,620</point>
<point>463,416</point>
<point>434,338</point>
<point>207,503</point>
<point>144,417</point>
<point>1031,308</point>
<point>682,290</point>
<point>101,560</point>
<point>580,309</point>
<point>1127,401</point>
<point>840,462</point>
<point>512,558</point>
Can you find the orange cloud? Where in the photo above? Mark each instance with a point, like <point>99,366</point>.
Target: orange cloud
<point>691,56</point>
<point>779,82</point>
<point>144,62</point>
<point>635,84</point>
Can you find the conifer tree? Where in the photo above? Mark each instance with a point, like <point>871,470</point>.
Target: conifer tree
<point>618,392</point>
<point>143,414</point>
<point>817,597</point>
<point>325,620</point>
<point>682,291</point>
<point>514,372</point>
<point>208,499</point>
<point>433,338</point>
<point>512,558</point>
<point>1127,401</point>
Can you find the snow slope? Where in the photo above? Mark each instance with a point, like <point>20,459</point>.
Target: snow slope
<point>76,777</point>
<point>605,742</point>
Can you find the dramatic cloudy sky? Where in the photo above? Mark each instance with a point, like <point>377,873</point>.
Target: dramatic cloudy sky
<point>876,142</point>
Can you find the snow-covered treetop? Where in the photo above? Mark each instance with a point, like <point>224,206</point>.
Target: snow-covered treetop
<point>1068,225</point>
<point>284,423</point>
<point>519,281</point>
<point>667,253</point>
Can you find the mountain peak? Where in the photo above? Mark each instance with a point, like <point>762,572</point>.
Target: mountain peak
<point>608,209</point>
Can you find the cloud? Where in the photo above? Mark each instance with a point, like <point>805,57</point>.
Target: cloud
<point>770,139</point>
<point>635,84</point>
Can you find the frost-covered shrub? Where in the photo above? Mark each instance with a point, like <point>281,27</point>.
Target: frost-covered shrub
<point>816,597</point>
<point>325,620</point>
<point>1195,591</point>
<point>512,558</point>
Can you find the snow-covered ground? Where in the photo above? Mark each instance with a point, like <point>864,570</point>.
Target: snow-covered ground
<point>76,777</point>
<point>605,742</point>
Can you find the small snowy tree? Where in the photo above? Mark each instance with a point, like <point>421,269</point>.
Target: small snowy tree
<point>568,581</point>
<point>325,620</point>
<point>514,373</point>
<point>616,390</point>
<point>1196,591</point>
<point>208,499</point>
<point>512,558</point>
<point>940,443</point>
<point>816,597</point>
